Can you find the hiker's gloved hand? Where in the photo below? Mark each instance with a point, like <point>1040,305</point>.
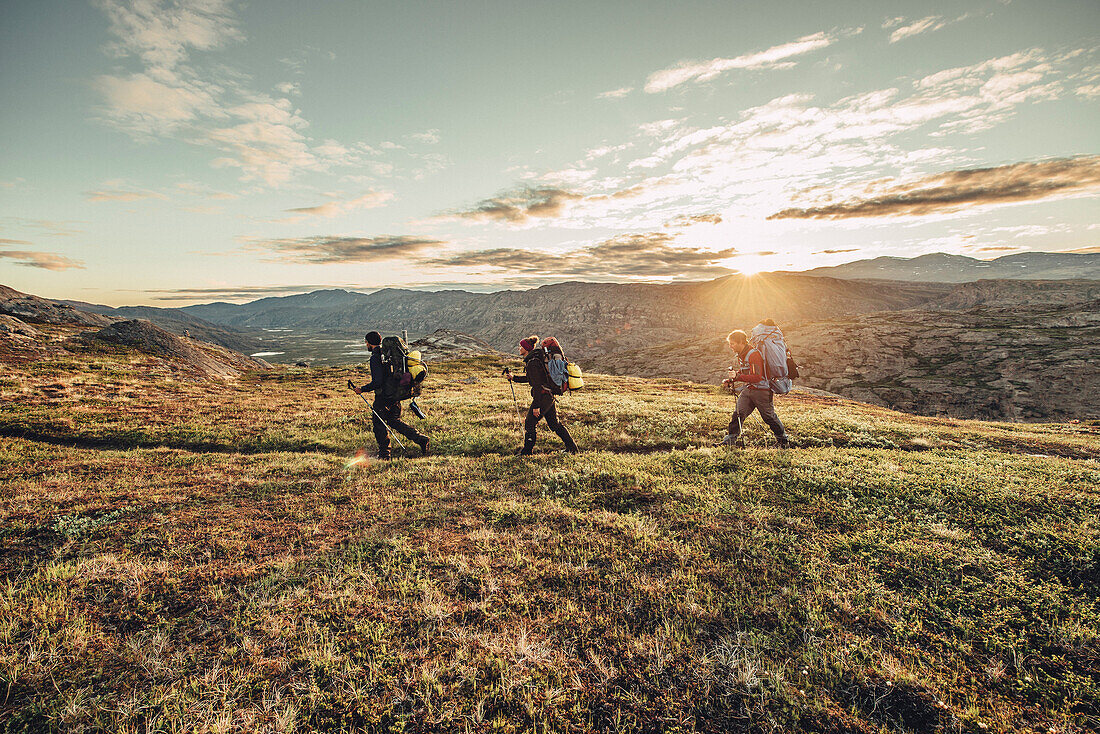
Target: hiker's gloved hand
<point>508,376</point>
<point>358,390</point>
<point>536,412</point>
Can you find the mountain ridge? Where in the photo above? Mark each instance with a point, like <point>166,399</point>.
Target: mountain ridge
<point>948,268</point>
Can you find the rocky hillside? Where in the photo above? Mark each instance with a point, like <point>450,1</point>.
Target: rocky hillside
<point>48,343</point>
<point>449,344</point>
<point>944,268</point>
<point>1018,294</point>
<point>1004,363</point>
<point>589,318</point>
<point>209,360</point>
<point>34,309</point>
<point>181,323</point>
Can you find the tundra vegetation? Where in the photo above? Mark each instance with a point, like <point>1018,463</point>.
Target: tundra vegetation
<point>197,555</point>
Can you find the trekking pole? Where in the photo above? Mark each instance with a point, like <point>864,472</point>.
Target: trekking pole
<point>393,433</point>
<point>740,426</point>
<point>513,386</point>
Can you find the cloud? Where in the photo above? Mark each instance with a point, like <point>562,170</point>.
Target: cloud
<point>109,194</point>
<point>203,102</point>
<point>161,32</point>
<point>52,228</point>
<point>747,166</point>
<point>15,242</point>
<point>43,260</point>
<point>999,248</point>
<point>370,200</point>
<point>704,71</point>
<point>204,191</point>
<point>520,206</point>
<point>155,102</point>
<point>430,137</point>
<point>952,191</point>
<point>924,25</point>
<point>688,220</point>
<point>835,252</point>
<point>615,93</point>
<point>327,249</point>
<point>1094,249</point>
<point>633,255</point>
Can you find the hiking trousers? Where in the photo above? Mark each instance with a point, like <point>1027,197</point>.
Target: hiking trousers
<point>391,414</point>
<point>549,408</point>
<point>756,399</point>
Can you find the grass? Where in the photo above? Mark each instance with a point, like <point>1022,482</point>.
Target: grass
<point>191,556</point>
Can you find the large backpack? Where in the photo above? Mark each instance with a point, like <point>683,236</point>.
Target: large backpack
<point>769,341</point>
<point>565,376</point>
<point>407,371</point>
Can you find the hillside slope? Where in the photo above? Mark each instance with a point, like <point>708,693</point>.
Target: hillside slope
<point>177,555</point>
<point>1034,362</point>
<point>35,309</point>
<point>945,268</point>
<point>590,317</point>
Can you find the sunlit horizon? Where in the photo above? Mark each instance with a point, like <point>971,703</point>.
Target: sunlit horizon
<point>167,153</point>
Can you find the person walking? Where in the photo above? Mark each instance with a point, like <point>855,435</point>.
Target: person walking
<point>757,394</point>
<point>387,407</point>
<point>543,402</point>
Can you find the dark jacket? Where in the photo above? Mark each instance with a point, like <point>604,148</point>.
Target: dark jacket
<point>537,376</point>
<point>379,376</point>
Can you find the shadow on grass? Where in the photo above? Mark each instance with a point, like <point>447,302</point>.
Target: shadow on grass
<point>135,439</point>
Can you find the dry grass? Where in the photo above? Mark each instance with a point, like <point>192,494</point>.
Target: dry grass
<point>195,557</point>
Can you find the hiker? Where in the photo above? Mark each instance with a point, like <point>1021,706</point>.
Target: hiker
<point>543,402</point>
<point>757,394</point>
<point>387,407</point>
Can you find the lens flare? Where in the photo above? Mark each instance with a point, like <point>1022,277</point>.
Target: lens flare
<point>359,458</point>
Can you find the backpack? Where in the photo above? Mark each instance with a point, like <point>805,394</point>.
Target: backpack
<point>768,340</point>
<point>557,369</point>
<point>407,371</point>
<point>565,376</point>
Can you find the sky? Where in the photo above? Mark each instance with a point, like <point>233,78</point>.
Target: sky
<point>167,152</point>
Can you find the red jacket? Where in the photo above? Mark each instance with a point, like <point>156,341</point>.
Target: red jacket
<point>753,373</point>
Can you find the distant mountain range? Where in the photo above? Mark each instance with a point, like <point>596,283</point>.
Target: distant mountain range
<point>940,267</point>
<point>589,318</point>
<point>1002,348</point>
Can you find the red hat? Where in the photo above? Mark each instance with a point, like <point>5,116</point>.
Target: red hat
<point>529,343</point>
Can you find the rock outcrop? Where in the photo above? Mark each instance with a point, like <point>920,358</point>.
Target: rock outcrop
<point>36,310</point>
<point>16,328</point>
<point>450,344</point>
<point>207,360</point>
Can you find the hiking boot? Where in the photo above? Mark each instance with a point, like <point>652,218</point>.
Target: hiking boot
<point>728,440</point>
<point>523,451</point>
<point>425,447</point>
<point>385,457</point>
<point>784,444</point>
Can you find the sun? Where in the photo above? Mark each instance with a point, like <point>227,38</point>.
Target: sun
<point>749,265</point>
